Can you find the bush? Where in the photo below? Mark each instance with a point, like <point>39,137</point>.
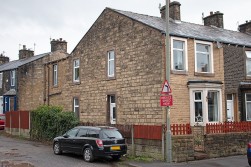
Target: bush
<point>48,122</point>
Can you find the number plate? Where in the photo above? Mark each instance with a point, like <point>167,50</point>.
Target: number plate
<point>115,148</point>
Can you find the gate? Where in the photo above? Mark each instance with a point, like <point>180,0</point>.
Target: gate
<point>198,133</point>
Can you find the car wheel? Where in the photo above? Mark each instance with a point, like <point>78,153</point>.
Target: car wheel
<point>56,148</point>
<point>116,157</point>
<point>88,156</point>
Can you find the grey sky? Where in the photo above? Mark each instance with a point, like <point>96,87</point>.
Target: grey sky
<point>25,22</point>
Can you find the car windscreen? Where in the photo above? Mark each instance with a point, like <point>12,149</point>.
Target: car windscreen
<point>110,134</point>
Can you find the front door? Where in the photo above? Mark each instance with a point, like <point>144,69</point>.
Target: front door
<point>230,108</point>
<point>113,113</point>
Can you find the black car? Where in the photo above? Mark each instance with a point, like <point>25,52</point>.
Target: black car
<point>91,142</point>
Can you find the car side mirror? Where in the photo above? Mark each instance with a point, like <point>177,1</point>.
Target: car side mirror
<point>65,136</point>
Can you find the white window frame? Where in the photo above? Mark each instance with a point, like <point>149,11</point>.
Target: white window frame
<point>75,105</point>
<point>248,59</point>
<point>184,52</point>
<point>211,60</point>
<point>1,80</point>
<point>76,67</point>
<point>55,75</point>
<point>12,77</point>
<point>109,61</point>
<point>246,106</point>
<point>205,90</point>
<point>112,105</point>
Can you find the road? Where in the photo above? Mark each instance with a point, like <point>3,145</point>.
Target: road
<point>16,152</point>
<point>24,153</point>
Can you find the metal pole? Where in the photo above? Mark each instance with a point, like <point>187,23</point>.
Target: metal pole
<point>168,127</point>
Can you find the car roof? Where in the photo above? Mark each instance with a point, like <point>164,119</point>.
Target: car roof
<point>97,127</point>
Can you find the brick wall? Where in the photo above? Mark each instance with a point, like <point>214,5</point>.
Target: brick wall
<point>180,111</point>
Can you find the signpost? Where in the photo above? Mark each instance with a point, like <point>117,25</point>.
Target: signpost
<point>166,100</point>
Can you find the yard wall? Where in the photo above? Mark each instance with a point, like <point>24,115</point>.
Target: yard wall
<point>182,148</point>
<point>228,144</point>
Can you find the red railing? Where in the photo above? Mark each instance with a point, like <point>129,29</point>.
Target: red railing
<point>181,129</point>
<point>227,127</point>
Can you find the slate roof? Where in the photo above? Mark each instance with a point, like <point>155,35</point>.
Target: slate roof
<point>17,63</point>
<point>191,30</point>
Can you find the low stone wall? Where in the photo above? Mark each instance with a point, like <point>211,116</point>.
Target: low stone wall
<point>182,148</point>
<point>18,132</point>
<point>221,145</point>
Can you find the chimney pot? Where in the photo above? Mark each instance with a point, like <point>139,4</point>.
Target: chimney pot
<point>211,13</point>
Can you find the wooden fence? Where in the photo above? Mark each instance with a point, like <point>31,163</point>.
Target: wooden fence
<point>17,119</point>
<point>228,127</point>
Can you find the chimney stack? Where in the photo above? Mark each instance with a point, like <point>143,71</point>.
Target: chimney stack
<point>214,19</point>
<point>246,27</point>
<point>25,53</point>
<point>58,45</point>
<point>174,11</point>
<point>4,59</point>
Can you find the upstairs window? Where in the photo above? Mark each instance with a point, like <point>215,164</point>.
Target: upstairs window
<point>179,57</point>
<point>12,78</point>
<point>203,57</point>
<point>248,63</point>
<point>76,70</point>
<point>55,75</point>
<point>111,64</point>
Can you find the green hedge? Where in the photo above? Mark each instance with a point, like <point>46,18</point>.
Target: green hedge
<point>48,122</point>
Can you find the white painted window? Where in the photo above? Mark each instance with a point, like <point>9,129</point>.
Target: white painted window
<point>179,54</point>
<point>205,106</point>
<point>55,75</point>
<point>203,57</point>
<point>248,63</point>
<point>12,77</point>
<point>76,106</point>
<point>111,63</point>
<point>248,106</point>
<point>76,70</point>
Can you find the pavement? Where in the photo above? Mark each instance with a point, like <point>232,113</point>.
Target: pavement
<point>150,164</point>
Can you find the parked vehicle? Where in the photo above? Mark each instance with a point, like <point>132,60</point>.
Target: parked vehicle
<point>249,153</point>
<point>91,142</point>
<point>2,121</point>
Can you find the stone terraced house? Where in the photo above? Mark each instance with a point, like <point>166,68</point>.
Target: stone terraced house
<point>115,73</point>
<point>27,82</point>
<point>121,61</point>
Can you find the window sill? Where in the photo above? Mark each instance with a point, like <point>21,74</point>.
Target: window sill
<point>76,83</point>
<point>248,77</point>
<point>111,78</point>
<point>179,72</point>
<point>204,74</point>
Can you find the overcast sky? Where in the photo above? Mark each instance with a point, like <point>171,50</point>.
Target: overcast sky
<point>29,22</point>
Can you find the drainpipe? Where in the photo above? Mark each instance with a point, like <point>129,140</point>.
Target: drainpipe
<point>48,86</point>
